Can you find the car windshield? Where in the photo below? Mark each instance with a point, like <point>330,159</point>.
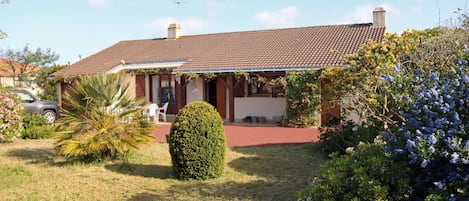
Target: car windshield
<point>24,97</point>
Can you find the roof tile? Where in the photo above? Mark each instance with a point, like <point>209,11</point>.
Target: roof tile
<point>277,48</point>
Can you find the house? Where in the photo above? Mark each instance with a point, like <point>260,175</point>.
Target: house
<point>180,69</point>
<point>8,77</point>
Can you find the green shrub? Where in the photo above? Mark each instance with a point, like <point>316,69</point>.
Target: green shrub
<point>101,121</point>
<point>348,135</point>
<point>36,127</point>
<point>364,174</point>
<point>197,142</point>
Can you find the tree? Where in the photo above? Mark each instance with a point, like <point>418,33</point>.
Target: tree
<point>2,34</point>
<point>24,61</point>
<point>362,84</point>
<point>44,80</point>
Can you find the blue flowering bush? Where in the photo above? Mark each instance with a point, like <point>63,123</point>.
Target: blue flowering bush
<point>364,173</point>
<point>434,137</point>
<point>10,117</point>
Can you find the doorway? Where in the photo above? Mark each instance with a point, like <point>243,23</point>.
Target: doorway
<point>215,94</point>
<point>211,95</point>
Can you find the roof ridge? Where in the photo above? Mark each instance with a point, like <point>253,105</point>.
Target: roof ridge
<point>259,30</point>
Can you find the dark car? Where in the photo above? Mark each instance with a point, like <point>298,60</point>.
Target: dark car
<point>32,104</point>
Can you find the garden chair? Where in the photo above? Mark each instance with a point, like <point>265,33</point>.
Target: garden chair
<point>151,111</point>
<point>162,111</point>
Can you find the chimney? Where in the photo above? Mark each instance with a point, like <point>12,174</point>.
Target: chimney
<point>379,17</point>
<point>174,31</point>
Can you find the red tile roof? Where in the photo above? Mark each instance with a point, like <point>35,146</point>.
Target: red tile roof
<point>304,47</point>
<point>6,71</point>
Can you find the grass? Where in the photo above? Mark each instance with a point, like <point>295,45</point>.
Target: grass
<point>29,170</point>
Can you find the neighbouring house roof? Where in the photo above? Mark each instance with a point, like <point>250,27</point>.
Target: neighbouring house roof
<point>276,49</point>
<point>6,71</point>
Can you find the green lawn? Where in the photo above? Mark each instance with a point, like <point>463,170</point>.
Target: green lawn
<point>29,170</point>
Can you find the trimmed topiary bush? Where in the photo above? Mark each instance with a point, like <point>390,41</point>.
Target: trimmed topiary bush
<point>197,142</point>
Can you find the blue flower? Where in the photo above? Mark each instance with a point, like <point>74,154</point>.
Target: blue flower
<point>388,78</point>
<point>418,132</point>
<point>432,139</point>
<point>454,158</point>
<point>424,163</point>
<point>410,144</point>
<point>431,149</point>
<point>440,185</point>
<point>397,68</point>
<point>465,161</point>
<point>434,77</point>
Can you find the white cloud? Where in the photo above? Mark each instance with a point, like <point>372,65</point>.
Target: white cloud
<point>364,13</point>
<point>98,3</point>
<point>159,27</point>
<point>284,17</point>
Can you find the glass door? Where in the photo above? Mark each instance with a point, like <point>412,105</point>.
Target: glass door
<point>163,90</point>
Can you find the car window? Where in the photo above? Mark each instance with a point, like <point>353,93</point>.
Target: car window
<point>24,97</point>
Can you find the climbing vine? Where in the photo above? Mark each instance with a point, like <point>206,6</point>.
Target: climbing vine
<point>303,98</point>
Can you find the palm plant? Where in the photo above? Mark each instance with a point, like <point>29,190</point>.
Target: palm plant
<point>102,122</point>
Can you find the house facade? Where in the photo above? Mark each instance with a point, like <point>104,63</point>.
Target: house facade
<point>232,71</point>
<point>9,77</point>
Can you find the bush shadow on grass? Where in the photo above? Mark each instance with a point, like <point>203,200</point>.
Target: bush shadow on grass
<point>34,155</point>
<point>150,171</point>
<point>256,190</point>
<point>41,156</point>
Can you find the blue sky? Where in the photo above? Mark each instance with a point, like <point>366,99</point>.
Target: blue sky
<point>80,28</point>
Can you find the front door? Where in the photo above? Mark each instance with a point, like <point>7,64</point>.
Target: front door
<point>216,95</point>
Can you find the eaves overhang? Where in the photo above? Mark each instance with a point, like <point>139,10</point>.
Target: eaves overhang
<point>146,65</point>
<point>254,69</point>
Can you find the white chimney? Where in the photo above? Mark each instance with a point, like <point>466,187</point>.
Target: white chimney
<point>379,17</point>
<point>174,31</point>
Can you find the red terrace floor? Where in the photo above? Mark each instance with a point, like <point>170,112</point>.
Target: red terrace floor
<point>241,136</point>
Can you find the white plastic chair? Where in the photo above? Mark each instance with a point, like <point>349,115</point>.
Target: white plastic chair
<point>162,111</point>
<point>151,111</point>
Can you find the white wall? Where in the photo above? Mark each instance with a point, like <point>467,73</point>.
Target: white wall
<point>195,90</point>
<point>353,115</point>
<point>6,81</point>
<point>259,106</point>
<point>129,79</point>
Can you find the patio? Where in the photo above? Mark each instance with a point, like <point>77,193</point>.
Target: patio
<point>244,135</point>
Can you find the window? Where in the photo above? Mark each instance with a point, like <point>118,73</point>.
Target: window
<point>264,86</point>
<point>24,97</point>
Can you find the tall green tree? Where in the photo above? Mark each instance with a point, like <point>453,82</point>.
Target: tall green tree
<point>28,60</point>
<point>44,80</point>
<point>362,84</point>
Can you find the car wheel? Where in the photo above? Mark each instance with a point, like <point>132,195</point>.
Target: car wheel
<point>50,116</point>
